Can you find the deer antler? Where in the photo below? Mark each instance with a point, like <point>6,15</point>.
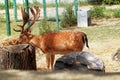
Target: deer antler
<point>25,17</point>
<point>35,16</point>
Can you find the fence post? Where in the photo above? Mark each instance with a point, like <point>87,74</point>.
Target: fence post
<point>57,16</point>
<point>27,8</point>
<point>76,7</point>
<point>7,18</point>
<point>44,8</point>
<point>15,10</point>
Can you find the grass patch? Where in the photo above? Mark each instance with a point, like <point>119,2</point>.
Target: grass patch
<point>98,11</point>
<point>116,13</point>
<point>101,33</point>
<point>103,12</point>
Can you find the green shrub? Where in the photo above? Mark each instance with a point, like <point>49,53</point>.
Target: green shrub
<point>2,18</point>
<point>116,13</point>
<point>86,2</point>
<point>68,18</point>
<point>108,13</point>
<point>35,2</point>
<point>98,11</point>
<point>1,5</point>
<point>111,2</point>
<point>95,1</point>
<point>10,4</point>
<point>102,12</point>
<point>45,26</point>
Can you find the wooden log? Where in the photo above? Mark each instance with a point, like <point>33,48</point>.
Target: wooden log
<point>20,57</point>
<point>116,56</point>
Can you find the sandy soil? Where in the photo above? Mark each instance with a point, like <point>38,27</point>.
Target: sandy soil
<point>104,50</point>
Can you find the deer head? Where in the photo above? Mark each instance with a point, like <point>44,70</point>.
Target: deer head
<point>25,34</point>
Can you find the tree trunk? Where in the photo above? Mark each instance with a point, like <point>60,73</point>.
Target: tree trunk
<point>117,55</point>
<point>20,57</point>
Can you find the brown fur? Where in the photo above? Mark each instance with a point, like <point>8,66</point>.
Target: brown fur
<point>56,43</point>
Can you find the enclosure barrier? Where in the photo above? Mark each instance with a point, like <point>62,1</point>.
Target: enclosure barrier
<point>7,18</point>
<point>15,10</point>
<point>27,10</point>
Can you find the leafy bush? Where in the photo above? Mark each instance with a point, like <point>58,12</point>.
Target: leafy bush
<point>116,13</point>
<point>98,11</point>
<point>10,4</point>
<point>45,26</point>
<point>1,5</point>
<point>111,2</point>
<point>68,18</point>
<point>95,1</point>
<point>86,2</point>
<point>102,12</point>
<point>2,18</point>
<point>108,13</point>
<point>35,2</point>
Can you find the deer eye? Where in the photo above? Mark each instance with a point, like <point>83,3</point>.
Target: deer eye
<point>22,36</point>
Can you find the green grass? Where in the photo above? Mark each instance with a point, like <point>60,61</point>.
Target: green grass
<point>103,33</point>
<point>96,33</point>
<point>103,12</point>
<point>38,28</point>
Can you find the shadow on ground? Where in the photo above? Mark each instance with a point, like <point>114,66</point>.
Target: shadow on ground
<point>58,75</point>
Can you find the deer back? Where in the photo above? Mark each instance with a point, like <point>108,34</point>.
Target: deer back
<point>62,42</point>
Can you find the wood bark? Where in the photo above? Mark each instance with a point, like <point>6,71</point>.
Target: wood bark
<point>116,56</point>
<point>20,57</point>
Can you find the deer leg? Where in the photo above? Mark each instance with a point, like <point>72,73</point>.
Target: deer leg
<point>52,61</point>
<point>48,60</point>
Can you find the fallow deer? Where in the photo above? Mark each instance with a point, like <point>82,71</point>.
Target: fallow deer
<point>51,43</point>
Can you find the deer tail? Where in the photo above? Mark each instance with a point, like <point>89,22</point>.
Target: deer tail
<point>85,40</point>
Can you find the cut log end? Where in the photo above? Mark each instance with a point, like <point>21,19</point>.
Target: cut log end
<point>20,57</point>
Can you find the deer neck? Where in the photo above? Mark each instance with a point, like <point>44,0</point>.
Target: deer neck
<point>35,41</point>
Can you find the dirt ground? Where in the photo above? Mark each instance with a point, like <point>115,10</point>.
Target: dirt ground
<point>104,50</point>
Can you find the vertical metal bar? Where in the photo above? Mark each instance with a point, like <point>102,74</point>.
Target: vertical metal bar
<point>76,7</point>
<point>57,16</point>
<point>15,10</point>
<point>44,8</point>
<point>27,8</point>
<point>7,18</point>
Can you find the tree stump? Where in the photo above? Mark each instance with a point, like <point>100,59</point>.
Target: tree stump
<point>20,57</point>
<point>117,55</point>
